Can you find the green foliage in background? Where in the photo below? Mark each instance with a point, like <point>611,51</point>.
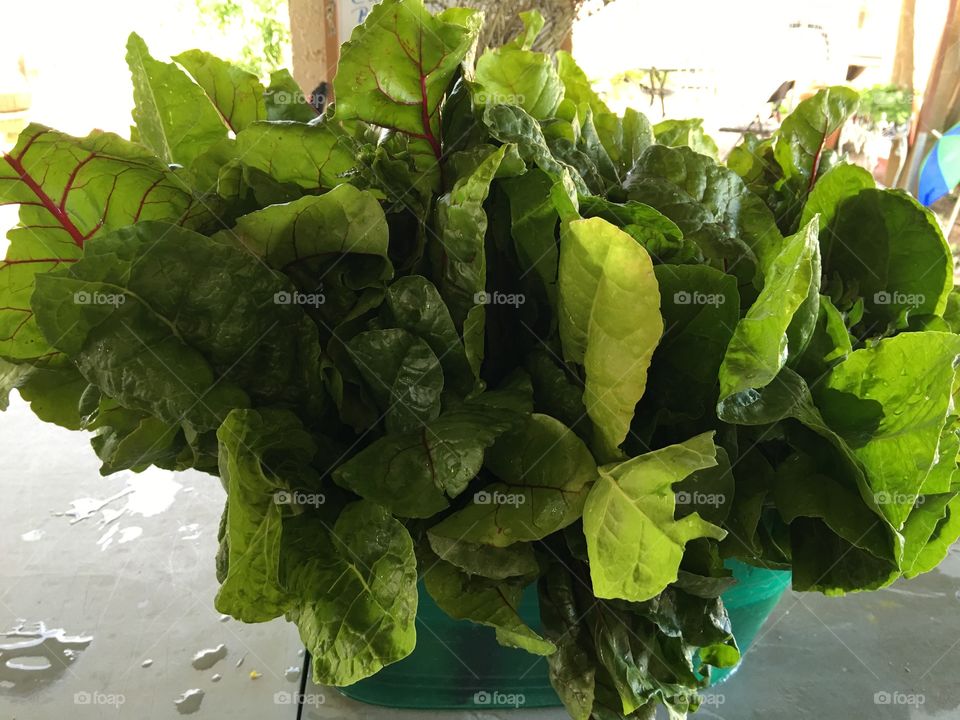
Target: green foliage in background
<point>261,26</point>
<point>886,103</point>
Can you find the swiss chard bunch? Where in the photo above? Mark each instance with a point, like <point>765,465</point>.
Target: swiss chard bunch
<point>473,328</point>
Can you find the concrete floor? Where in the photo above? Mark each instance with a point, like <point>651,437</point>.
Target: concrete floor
<point>131,580</point>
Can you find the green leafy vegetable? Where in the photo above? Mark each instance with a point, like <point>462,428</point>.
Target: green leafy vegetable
<point>609,321</point>
<point>634,543</point>
<point>471,326</point>
<point>173,116</point>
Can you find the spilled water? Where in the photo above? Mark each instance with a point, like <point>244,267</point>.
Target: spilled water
<point>146,494</point>
<point>189,702</point>
<point>33,656</point>
<point>121,535</point>
<point>206,659</point>
<point>190,532</point>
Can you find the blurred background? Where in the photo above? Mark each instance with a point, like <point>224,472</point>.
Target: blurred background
<point>739,64</point>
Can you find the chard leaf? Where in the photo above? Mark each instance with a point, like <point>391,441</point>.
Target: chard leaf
<point>308,156</point>
<point>413,304</point>
<point>577,85</point>
<point>822,561</point>
<point>787,396</point>
<point>334,247</point>
<point>833,187</point>
<point>634,543</point>
<point>403,375</point>
<point>69,191</point>
<point>131,440</point>
<point>12,376</point>
<point>512,124</point>
<point>700,308</point>
<point>760,346</point>
<point>263,454</point>
<point>829,342</point>
<point>533,226</point>
<point>284,100</point>
<point>820,489</point>
<point>180,335</point>
<point>920,528</point>
<point>890,403</point>
<point>473,340</point>
<point>543,472</point>
<point>396,68</point>
<point>173,115</point>
<point>572,671</point>
<point>459,249</point>
<point>804,132</point>
<point>495,563</point>
<point>710,204</point>
<point>689,133</point>
<point>515,75</point>
<point>655,232</point>
<point>591,145</point>
<point>484,601</point>
<point>609,321</point>
<point>53,390</point>
<point>413,473</point>
<point>940,539</point>
<point>557,392</point>
<point>236,94</point>
<point>910,268</point>
<point>624,138</point>
<point>356,594</point>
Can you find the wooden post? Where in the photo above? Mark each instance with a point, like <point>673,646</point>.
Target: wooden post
<point>308,36</point>
<point>941,91</point>
<point>902,76</point>
<point>317,29</point>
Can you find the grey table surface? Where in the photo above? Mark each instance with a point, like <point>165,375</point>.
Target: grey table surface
<point>119,571</point>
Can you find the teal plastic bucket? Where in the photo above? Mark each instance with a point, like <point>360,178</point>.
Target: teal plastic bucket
<point>459,665</point>
<point>749,604</point>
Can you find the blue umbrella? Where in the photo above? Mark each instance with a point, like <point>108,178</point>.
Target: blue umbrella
<point>941,170</point>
